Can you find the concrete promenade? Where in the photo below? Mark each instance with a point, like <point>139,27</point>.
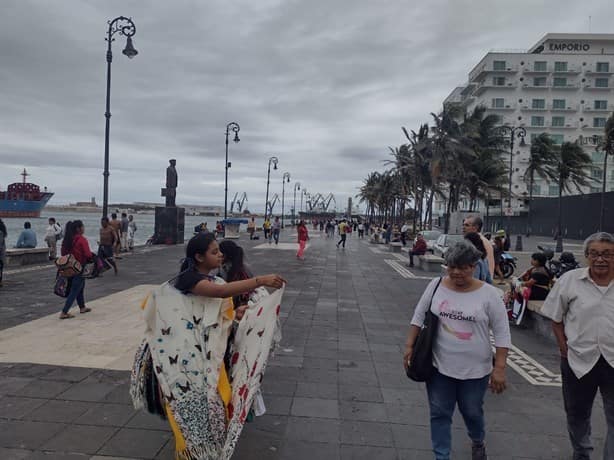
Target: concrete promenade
<point>334,390</point>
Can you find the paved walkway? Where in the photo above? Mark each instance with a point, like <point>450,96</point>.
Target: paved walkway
<point>334,390</point>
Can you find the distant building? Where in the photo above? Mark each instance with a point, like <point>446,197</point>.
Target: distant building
<point>563,86</point>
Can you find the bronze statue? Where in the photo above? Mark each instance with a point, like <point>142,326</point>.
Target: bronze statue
<point>171,184</point>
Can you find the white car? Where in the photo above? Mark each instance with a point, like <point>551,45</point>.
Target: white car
<point>444,242</point>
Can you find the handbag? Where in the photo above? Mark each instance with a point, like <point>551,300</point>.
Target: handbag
<point>68,266</point>
<point>421,367</point>
<point>61,287</point>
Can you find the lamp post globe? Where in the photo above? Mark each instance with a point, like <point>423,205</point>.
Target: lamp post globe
<point>123,26</point>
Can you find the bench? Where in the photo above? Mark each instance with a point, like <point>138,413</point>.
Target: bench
<point>395,247</point>
<point>429,262</point>
<point>26,256</point>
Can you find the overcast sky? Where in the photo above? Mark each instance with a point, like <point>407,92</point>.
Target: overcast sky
<point>325,85</point>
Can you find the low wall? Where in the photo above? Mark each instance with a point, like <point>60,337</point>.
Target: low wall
<point>20,257</point>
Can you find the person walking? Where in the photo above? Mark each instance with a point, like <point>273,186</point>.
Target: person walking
<point>482,271</point>
<point>76,244</point>
<point>27,237</point>
<point>361,230</point>
<point>302,237</point>
<point>404,230</point>
<point>131,231</point>
<point>581,307</point>
<point>106,243</point>
<point>251,228</point>
<point>467,310</point>
<point>52,235</point>
<point>343,230</point>
<point>116,225</point>
<point>3,237</point>
<point>474,224</point>
<point>124,224</point>
<point>418,249</point>
<point>266,228</point>
<point>276,229</point>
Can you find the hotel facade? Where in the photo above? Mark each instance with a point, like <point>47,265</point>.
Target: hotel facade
<point>563,86</point>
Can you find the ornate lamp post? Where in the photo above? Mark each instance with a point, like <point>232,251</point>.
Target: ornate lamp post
<point>512,132</point>
<point>284,179</point>
<point>124,26</point>
<point>234,127</point>
<point>297,185</point>
<point>273,160</point>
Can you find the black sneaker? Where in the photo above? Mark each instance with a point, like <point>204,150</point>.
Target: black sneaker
<point>478,452</point>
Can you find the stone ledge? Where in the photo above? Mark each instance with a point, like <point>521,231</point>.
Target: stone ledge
<point>26,256</point>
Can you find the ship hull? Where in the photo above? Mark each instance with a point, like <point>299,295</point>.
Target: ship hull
<point>24,208</point>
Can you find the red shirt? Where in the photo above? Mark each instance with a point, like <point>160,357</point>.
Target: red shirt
<point>80,249</point>
<point>420,246</point>
<point>303,235</point>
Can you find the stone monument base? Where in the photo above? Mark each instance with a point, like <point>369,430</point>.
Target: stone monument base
<point>169,225</point>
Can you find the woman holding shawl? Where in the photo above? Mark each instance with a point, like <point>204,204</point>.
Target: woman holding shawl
<point>179,370</point>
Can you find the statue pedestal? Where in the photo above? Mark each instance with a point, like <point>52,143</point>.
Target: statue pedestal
<point>169,225</point>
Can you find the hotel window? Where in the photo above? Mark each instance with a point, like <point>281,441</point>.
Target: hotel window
<point>596,173</point>
<point>595,190</point>
<point>539,81</point>
<point>601,82</point>
<point>498,81</point>
<point>559,103</point>
<point>498,65</point>
<point>611,175</point>
<point>559,81</point>
<point>538,103</point>
<point>600,105</point>
<point>557,139</point>
<point>560,66</point>
<point>558,121</point>
<point>553,190</point>
<point>498,103</point>
<point>599,122</point>
<point>597,157</point>
<point>537,189</point>
<point>602,67</point>
<point>540,66</point>
<point>537,121</point>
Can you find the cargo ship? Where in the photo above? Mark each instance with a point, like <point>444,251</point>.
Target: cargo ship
<point>23,199</point>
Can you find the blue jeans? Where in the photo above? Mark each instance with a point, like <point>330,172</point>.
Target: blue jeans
<point>443,394</point>
<point>77,286</point>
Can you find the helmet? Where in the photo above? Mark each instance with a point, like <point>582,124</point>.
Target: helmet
<point>500,233</point>
<point>567,258</point>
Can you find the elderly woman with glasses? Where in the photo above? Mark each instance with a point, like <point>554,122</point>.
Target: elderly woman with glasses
<point>581,306</point>
<point>468,310</point>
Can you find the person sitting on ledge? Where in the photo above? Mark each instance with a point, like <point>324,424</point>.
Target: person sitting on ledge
<point>419,249</point>
<point>27,238</point>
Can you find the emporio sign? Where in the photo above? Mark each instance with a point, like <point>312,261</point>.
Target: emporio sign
<point>571,46</point>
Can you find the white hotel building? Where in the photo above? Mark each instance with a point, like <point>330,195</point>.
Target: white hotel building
<point>563,85</point>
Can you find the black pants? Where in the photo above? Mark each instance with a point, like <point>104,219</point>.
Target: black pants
<point>411,256</point>
<point>342,240</point>
<point>403,239</point>
<point>579,395</point>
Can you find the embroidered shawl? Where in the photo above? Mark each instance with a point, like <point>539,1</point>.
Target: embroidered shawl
<point>186,337</point>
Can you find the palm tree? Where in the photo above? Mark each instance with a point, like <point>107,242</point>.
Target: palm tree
<point>608,149</point>
<point>542,162</point>
<point>571,171</point>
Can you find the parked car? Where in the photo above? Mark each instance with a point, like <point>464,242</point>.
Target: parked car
<point>444,242</point>
<point>431,238</point>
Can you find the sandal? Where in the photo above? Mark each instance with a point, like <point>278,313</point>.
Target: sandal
<point>66,316</point>
<point>85,310</point>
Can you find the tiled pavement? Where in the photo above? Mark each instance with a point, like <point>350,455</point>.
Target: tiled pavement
<point>334,390</point>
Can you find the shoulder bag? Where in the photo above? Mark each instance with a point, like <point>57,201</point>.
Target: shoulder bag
<point>68,266</point>
<point>421,367</point>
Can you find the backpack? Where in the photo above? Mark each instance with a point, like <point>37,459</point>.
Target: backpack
<point>59,235</point>
<point>68,266</point>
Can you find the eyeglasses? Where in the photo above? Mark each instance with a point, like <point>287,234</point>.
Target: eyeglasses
<point>594,255</point>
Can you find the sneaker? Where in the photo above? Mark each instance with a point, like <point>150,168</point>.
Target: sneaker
<point>478,452</point>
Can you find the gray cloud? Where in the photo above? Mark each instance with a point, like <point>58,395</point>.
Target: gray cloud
<point>325,86</point>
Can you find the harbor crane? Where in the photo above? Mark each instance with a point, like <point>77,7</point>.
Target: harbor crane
<point>240,202</point>
<point>271,204</point>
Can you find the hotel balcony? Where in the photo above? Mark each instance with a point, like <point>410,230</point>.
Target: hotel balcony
<point>595,73</point>
<point>529,108</point>
<point>532,86</point>
<point>569,108</point>
<point>592,87</point>
<point>488,69</point>
<point>506,107</point>
<point>486,86</point>
<point>569,86</point>
<point>570,70</point>
<point>609,108</point>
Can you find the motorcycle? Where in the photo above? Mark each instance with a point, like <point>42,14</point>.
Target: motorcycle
<point>565,263</point>
<point>507,264</point>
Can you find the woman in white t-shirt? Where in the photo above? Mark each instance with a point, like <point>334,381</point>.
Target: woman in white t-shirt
<point>468,310</point>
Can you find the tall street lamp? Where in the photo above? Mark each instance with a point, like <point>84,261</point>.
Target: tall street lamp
<point>273,160</point>
<point>284,179</point>
<point>297,186</point>
<point>303,193</point>
<point>512,132</point>
<point>234,127</point>
<point>124,26</point>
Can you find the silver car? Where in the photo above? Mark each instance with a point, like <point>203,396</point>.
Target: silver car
<point>444,242</point>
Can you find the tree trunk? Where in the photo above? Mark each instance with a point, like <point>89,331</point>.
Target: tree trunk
<point>530,204</point>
